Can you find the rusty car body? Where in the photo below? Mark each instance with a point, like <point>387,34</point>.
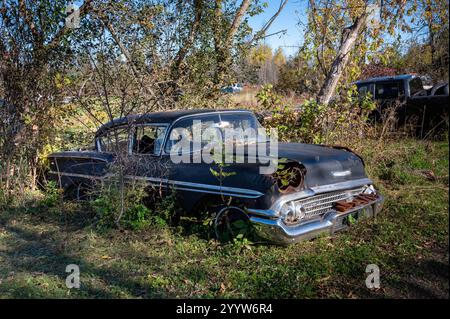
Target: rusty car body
<point>330,185</point>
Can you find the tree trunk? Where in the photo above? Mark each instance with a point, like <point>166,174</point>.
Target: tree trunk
<point>223,43</point>
<point>198,9</point>
<point>431,37</point>
<point>349,37</point>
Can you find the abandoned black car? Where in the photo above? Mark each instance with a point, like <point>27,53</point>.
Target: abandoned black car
<point>313,189</point>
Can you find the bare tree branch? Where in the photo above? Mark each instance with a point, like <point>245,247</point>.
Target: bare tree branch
<point>128,56</point>
<point>237,21</point>
<point>23,11</point>
<point>85,8</point>
<point>260,34</point>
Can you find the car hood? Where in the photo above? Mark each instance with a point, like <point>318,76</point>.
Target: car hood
<point>324,164</point>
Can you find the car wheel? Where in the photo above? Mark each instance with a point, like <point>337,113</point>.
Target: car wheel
<point>231,222</point>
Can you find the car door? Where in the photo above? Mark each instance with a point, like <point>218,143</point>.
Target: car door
<point>188,172</point>
<point>146,162</point>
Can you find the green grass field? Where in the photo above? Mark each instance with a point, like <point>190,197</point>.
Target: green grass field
<point>408,241</point>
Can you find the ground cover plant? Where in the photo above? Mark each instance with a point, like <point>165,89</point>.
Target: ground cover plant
<point>408,241</point>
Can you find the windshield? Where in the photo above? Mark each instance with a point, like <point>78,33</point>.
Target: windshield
<point>195,133</point>
<point>241,128</point>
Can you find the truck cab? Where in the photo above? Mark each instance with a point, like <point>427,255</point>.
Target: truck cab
<point>390,88</point>
<point>426,109</point>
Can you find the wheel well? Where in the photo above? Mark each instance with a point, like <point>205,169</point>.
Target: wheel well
<point>290,177</point>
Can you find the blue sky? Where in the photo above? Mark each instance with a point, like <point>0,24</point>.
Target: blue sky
<point>289,18</point>
<point>293,18</point>
<point>293,12</point>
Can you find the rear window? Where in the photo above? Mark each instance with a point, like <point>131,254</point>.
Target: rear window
<point>114,141</point>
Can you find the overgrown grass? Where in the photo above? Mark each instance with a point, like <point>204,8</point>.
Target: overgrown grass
<point>408,241</point>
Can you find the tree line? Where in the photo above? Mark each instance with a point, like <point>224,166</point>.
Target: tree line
<point>130,56</point>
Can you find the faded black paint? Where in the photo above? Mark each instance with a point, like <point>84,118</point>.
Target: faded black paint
<point>320,163</point>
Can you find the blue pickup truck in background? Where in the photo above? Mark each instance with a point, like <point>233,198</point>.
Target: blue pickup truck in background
<point>428,108</point>
<point>233,88</point>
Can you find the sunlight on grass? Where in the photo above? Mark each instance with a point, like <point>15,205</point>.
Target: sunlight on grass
<point>408,240</point>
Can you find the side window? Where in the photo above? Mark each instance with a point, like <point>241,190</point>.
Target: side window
<point>187,131</point>
<point>148,139</point>
<point>388,90</point>
<point>114,141</point>
<point>364,89</point>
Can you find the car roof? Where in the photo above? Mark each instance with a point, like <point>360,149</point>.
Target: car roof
<point>387,78</point>
<point>167,117</point>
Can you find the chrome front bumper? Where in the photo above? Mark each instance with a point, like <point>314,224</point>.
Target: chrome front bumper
<point>331,222</point>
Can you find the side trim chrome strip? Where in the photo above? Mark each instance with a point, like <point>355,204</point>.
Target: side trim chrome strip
<point>200,187</point>
<point>78,157</point>
<point>180,185</point>
<point>79,175</point>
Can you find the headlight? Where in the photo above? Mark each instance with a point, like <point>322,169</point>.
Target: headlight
<point>370,190</point>
<point>292,213</point>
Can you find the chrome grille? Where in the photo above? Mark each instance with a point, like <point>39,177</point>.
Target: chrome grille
<point>320,204</point>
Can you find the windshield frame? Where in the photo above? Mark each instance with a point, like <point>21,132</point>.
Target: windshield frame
<point>218,113</point>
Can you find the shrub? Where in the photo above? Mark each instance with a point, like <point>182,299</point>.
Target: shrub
<point>52,194</point>
<point>131,204</point>
<point>268,98</point>
<point>165,210</point>
<point>120,204</point>
<point>343,122</point>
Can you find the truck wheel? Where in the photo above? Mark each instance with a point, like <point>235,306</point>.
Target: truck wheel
<point>231,222</point>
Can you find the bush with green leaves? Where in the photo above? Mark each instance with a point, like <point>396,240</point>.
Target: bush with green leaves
<point>165,210</point>
<point>343,121</point>
<point>52,194</point>
<point>268,98</point>
<point>121,205</point>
